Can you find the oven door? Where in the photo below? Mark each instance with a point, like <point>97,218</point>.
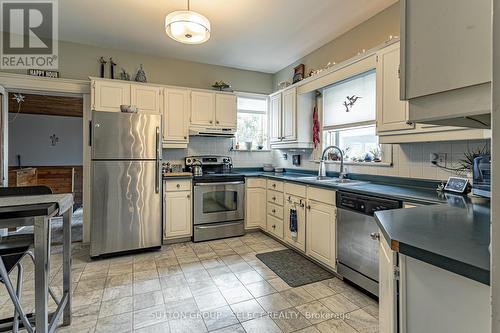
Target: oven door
<point>218,202</point>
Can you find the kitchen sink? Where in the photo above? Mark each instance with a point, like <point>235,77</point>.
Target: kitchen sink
<point>333,180</point>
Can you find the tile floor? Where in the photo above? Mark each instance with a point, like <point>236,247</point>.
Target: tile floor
<point>218,286</point>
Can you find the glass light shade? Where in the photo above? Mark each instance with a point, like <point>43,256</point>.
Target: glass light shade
<point>187,27</point>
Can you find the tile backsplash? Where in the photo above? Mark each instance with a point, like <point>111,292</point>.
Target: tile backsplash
<point>411,160</point>
<point>408,160</point>
<point>199,145</point>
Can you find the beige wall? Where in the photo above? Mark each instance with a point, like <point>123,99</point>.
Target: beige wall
<point>78,61</point>
<point>365,36</point>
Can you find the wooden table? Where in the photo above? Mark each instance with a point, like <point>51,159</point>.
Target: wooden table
<point>37,210</point>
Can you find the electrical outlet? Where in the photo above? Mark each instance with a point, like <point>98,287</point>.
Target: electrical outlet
<point>438,158</point>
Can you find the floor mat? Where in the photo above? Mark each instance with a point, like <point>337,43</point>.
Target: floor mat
<point>293,268</point>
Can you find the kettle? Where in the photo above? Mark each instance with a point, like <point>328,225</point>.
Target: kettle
<point>196,168</point>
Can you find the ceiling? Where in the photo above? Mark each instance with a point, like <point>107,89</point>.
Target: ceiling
<point>261,35</point>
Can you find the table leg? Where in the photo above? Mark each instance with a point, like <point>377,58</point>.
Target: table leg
<point>42,242</point>
<point>67,216</point>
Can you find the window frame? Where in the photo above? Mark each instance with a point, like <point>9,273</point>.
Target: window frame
<point>265,127</point>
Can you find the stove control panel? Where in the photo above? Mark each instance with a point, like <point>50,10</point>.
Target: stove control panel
<point>209,160</point>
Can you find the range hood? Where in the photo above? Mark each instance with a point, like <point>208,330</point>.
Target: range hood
<point>212,131</point>
<point>465,107</point>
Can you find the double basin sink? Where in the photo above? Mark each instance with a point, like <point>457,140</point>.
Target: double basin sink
<point>332,180</point>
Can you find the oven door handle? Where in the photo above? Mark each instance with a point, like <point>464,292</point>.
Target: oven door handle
<point>215,226</point>
<point>217,183</point>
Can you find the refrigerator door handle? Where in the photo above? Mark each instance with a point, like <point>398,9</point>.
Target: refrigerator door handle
<point>158,159</point>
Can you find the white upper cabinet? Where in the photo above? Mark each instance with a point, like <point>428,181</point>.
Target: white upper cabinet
<point>176,116</point>
<point>392,113</point>
<point>275,117</point>
<point>289,114</point>
<point>225,110</point>
<point>290,119</point>
<point>146,98</point>
<point>109,95</point>
<point>446,61</point>
<point>202,108</point>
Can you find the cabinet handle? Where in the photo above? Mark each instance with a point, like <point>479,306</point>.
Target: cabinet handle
<point>274,210</point>
<point>375,236</point>
<point>274,226</point>
<point>178,185</point>
<point>188,196</point>
<point>211,122</point>
<point>308,207</point>
<point>185,137</point>
<point>274,185</point>
<point>217,122</point>
<point>274,198</point>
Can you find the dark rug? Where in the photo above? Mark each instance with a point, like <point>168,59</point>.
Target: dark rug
<point>293,268</point>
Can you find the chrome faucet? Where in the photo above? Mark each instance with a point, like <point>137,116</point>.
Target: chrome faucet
<point>322,167</point>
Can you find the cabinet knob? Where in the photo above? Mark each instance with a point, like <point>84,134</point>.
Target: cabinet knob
<point>375,236</point>
<point>274,226</point>
<point>185,137</point>
<point>308,207</point>
<point>178,185</point>
<point>211,122</point>
<point>274,198</point>
<point>274,185</point>
<point>274,210</point>
<point>217,122</point>
<point>188,196</point>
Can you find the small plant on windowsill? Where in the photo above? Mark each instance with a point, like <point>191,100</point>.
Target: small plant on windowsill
<point>377,154</point>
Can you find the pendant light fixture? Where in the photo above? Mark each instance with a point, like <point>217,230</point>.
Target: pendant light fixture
<point>187,27</point>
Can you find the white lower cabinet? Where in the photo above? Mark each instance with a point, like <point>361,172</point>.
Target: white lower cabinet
<point>387,288</point>
<point>298,241</point>
<point>255,208</point>
<point>275,226</point>
<point>320,232</point>
<point>177,207</point>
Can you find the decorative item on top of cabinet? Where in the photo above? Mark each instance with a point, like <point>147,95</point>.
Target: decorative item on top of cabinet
<point>220,85</point>
<point>102,62</point>
<point>112,65</point>
<point>141,75</point>
<point>124,75</point>
<point>298,73</point>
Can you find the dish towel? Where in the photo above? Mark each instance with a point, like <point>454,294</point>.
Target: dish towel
<point>293,222</point>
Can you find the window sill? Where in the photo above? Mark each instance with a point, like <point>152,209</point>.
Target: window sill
<point>251,150</point>
<point>369,164</point>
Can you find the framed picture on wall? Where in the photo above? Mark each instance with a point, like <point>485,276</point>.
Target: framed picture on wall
<point>298,73</point>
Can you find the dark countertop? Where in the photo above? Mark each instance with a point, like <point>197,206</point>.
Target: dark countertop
<point>449,231</point>
<point>386,190</point>
<point>176,177</point>
<point>454,236</point>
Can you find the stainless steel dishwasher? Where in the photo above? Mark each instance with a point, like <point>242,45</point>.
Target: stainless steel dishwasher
<point>357,253</point>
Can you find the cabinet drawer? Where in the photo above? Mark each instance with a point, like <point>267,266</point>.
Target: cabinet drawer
<point>275,210</point>
<point>295,189</point>
<point>321,195</point>
<point>275,226</point>
<point>178,185</point>
<point>275,197</point>
<point>275,185</point>
<point>256,182</point>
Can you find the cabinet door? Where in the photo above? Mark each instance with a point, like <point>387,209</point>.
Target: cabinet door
<point>464,59</point>
<point>392,113</point>
<point>290,114</point>
<point>108,96</point>
<point>275,118</point>
<point>387,288</point>
<point>320,232</point>
<point>176,115</point>
<point>255,208</point>
<point>300,240</point>
<point>225,110</point>
<point>202,108</point>
<point>177,214</point>
<point>146,98</point>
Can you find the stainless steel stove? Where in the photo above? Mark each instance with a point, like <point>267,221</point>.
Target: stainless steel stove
<point>219,197</point>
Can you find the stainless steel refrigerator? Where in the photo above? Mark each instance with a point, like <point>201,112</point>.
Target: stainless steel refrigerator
<point>126,182</point>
